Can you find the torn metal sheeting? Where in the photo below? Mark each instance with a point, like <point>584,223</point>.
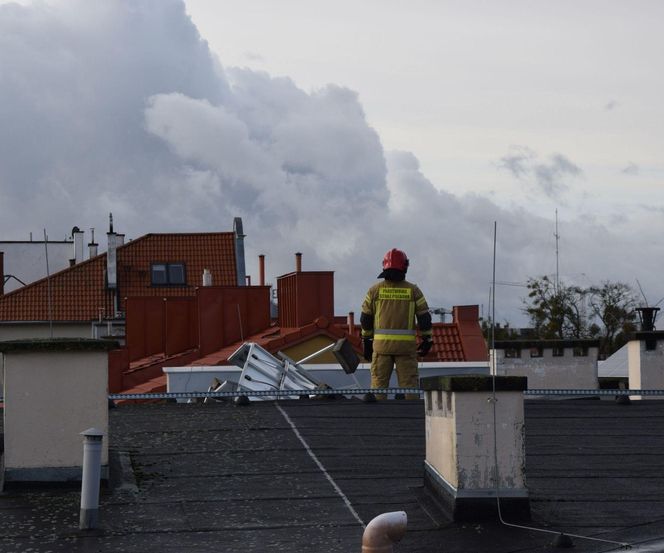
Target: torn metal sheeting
<point>262,371</point>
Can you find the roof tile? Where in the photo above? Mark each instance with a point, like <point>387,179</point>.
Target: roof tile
<point>79,293</point>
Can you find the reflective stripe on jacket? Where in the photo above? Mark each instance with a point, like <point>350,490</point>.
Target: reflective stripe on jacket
<point>393,306</point>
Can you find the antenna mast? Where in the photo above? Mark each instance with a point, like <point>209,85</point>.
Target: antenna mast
<point>557,266</point>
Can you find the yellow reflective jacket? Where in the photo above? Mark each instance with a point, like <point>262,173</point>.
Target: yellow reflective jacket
<point>394,306</point>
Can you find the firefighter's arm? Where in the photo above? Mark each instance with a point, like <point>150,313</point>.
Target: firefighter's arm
<point>424,323</point>
<point>367,324</point>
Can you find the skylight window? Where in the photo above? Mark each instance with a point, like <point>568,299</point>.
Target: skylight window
<point>168,274</point>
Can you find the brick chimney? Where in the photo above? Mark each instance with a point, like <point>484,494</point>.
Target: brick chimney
<point>303,296</point>
<point>261,269</point>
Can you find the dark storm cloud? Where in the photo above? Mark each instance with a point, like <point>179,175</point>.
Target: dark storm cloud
<point>120,106</point>
<point>549,177</point>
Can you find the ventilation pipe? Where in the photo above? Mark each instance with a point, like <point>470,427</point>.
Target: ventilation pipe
<point>298,262</point>
<point>207,277</point>
<point>647,315</point>
<point>2,273</point>
<point>261,269</point>
<point>383,532</point>
<point>92,450</point>
<point>239,251</point>
<point>351,323</point>
<point>93,247</point>
<point>248,279</point>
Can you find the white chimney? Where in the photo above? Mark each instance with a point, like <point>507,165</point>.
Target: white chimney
<point>92,245</point>
<point>78,236</point>
<point>207,277</point>
<point>111,257</point>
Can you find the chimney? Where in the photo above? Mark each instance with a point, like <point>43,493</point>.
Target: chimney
<point>298,262</point>
<point>207,277</point>
<point>261,269</point>
<point>351,323</point>
<point>248,278</point>
<point>111,257</point>
<point>92,245</point>
<point>239,251</point>
<point>78,236</point>
<point>647,316</point>
<point>2,273</point>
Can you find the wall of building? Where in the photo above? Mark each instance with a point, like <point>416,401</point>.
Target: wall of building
<point>50,398</point>
<point>549,371</point>
<point>304,349</point>
<point>27,331</point>
<point>27,260</point>
<point>645,360</point>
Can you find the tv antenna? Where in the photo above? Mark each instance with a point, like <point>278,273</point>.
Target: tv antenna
<point>557,251</point>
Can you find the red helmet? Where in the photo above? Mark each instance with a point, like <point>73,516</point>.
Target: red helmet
<point>395,259</point>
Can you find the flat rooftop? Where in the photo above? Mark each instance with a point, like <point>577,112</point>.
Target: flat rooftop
<point>304,475</point>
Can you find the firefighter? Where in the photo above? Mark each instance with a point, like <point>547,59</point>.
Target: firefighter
<point>389,337</point>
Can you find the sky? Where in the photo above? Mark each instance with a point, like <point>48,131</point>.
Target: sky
<point>343,129</point>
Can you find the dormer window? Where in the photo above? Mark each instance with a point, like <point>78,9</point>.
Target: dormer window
<point>168,274</point>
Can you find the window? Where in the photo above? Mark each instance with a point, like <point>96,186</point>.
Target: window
<point>168,274</point>
<point>536,352</point>
<point>558,352</point>
<point>580,351</point>
<point>512,353</point>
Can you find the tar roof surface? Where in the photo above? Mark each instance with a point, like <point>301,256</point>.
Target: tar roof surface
<point>219,477</point>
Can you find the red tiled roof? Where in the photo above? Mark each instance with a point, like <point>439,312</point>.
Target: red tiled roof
<point>461,340</point>
<point>447,344</point>
<point>79,293</point>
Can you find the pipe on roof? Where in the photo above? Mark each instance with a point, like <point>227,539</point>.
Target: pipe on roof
<point>298,262</point>
<point>383,532</point>
<point>239,251</point>
<point>261,269</point>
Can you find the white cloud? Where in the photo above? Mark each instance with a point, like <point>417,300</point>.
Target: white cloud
<point>121,107</point>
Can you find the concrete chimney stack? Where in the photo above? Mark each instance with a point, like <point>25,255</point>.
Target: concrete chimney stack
<point>111,257</point>
<point>298,262</point>
<point>207,277</point>
<point>93,247</point>
<point>78,236</point>
<point>261,269</point>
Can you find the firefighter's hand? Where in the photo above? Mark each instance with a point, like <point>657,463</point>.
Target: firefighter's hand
<point>425,346</point>
<point>368,348</point>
